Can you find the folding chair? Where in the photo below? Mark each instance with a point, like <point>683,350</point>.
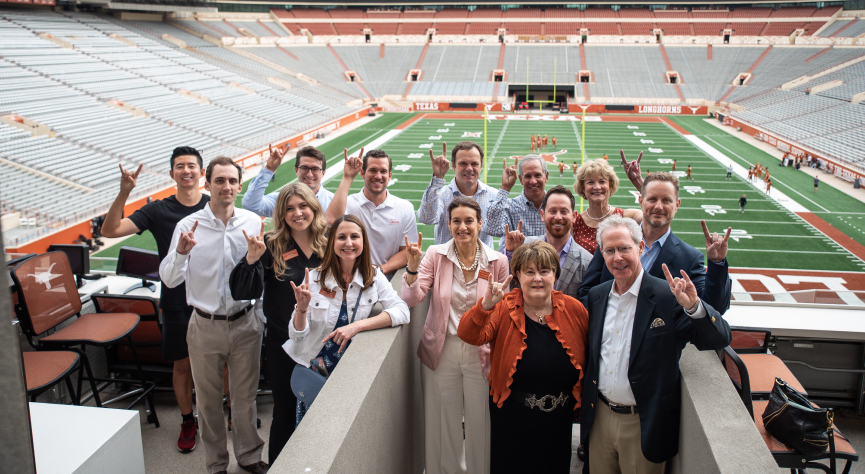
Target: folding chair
<point>45,369</point>
<point>47,301</point>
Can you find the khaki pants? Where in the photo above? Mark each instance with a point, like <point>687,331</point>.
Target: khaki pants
<point>614,444</point>
<point>456,389</point>
<point>211,344</point>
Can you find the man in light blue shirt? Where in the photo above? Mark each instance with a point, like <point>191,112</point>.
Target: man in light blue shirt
<point>532,173</point>
<point>467,159</point>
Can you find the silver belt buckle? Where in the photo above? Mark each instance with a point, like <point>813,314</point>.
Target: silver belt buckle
<point>540,403</point>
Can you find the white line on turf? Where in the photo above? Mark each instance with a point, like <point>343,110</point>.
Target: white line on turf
<point>492,156</point>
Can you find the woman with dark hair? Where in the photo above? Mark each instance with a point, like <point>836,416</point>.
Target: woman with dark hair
<point>453,372</point>
<point>538,349</point>
<point>335,300</point>
<point>298,239</point>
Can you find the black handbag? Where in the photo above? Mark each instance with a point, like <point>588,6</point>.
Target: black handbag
<point>792,419</point>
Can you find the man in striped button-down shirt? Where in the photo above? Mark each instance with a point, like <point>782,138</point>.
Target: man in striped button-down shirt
<point>533,175</point>
<point>467,159</point>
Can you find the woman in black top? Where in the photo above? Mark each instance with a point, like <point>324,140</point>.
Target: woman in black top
<point>273,261</point>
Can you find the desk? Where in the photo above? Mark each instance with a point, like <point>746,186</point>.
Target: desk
<point>71,439</point>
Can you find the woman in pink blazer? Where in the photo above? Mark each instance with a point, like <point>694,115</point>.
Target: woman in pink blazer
<point>454,372</point>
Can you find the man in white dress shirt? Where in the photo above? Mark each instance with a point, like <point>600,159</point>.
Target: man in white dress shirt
<point>204,249</point>
<point>387,218</point>
<point>638,327</point>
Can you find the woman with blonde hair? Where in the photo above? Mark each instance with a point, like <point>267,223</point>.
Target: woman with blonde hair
<point>335,301</point>
<point>273,262</point>
<point>596,182</point>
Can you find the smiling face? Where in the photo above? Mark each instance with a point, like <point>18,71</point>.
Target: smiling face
<point>621,255</point>
<point>534,180</point>
<point>467,167</point>
<point>464,224</point>
<point>376,176</point>
<point>298,214</point>
<point>537,284</point>
<point>224,185</point>
<point>558,216</point>
<point>348,244</point>
<point>659,205</point>
<point>597,189</point>
<point>186,172</point>
<point>309,172</point>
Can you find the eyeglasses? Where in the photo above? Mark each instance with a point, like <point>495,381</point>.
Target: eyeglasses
<point>307,169</point>
<point>611,251</point>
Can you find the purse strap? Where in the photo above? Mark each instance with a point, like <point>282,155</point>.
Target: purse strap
<point>356,305</point>
<point>831,417</point>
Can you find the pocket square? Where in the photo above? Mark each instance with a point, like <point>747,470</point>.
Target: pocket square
<point>658,322</point>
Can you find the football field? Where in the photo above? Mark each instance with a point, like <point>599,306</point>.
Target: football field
<point>769,234</point>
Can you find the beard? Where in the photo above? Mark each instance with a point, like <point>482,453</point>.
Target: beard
<point>558,233</point>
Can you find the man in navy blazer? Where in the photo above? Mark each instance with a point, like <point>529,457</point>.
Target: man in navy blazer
<point>659,201</point>
<point>638,327</point>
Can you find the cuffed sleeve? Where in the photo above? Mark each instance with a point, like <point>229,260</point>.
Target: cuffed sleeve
<point>416,292</point>
<point>391,301</point>
<point>431,206</point>
<point>294,334</point>
<point>172,269</point>
<point>246,281</point>
<point>255,200</point>
<point>478,326</point>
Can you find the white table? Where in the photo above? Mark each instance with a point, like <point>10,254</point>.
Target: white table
<point>70,439</point>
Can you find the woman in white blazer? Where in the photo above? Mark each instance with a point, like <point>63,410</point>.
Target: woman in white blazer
<point>335,300</point>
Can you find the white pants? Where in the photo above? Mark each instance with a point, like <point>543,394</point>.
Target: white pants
<point>456,390</point>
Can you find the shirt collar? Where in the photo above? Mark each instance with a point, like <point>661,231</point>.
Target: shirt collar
<point>566,249</point>
<point>635,287</point>
<point>660,241</point>
<point>213,219</point>
<point>482,188</point>
<point>388,200</point>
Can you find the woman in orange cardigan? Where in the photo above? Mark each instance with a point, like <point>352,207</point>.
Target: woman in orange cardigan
<point>538,339</point>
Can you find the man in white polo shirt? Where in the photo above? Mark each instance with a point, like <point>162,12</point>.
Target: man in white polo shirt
<point>388,219</point>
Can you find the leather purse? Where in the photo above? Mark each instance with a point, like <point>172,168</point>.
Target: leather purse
<point>792,419</point>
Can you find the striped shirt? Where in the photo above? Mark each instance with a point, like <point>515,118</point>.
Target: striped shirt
<point>434,207</point>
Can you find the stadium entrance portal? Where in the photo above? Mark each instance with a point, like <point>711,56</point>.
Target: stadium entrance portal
<point>541,96</point>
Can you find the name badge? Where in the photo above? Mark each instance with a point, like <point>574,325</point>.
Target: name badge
<point>483,275</point>
<point>329,294</point>
<point>289,255</point>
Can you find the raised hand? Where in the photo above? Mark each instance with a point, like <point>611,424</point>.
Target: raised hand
<point>509,174</point>
<point>301,293</point>
<point>495,292</point>
<point>632,169</point>
<point>275,158</point>
<point>440,164</point>
<point>514,239</point>
<point>353,164</point>
<point>128,179</point>
<point>254,246</point>
<point>716,247</point>
<point>682,288</point>
<point>187,240</point>
<point>413,253</point>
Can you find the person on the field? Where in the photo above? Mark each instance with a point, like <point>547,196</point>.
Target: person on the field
<point>561,167</point>
<point>554,141</point>
<point>729,170</point>
<point>816,182</point>
<point>690,178</point>
<point>742,201</point>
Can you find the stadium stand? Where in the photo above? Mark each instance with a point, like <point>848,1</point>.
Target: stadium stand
<point>709,29</point>
<point>637,28</point>
<point>851,77</point>
<point>747,29</point>
<point>381,76</point>
<point>702,78</point>
<point>671,29</point>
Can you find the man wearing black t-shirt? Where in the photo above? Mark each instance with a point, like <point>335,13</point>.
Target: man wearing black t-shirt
<point>160,218</point>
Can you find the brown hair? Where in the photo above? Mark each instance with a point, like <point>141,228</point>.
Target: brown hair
<point>330,262</point>
<point>661,176</point>
<point>377,154</point>
<point>310,152</point>
<point>222,160</point>
<point>465,146</point>
<point>280,237</point>
<point>462,201</point>
<point>542,254</point>
<point>558,189</point>
<point>595,168</point>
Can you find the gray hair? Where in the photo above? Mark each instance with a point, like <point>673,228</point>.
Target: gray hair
<point>529,159</point>
<point>619,221</point>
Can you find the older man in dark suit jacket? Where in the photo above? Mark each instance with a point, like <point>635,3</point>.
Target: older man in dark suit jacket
<point>659,201</point>
<point>638,327</point>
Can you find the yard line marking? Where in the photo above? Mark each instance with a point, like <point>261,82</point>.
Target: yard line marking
<point>492,155</point>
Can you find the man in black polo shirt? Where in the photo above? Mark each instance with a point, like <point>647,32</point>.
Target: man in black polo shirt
<point>160,218</point>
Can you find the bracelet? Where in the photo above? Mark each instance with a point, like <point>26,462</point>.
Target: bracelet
<point>299,311</point>
<point>410,272</point>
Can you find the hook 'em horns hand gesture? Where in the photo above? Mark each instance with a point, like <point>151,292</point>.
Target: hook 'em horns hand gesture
<point>495,292</point>
<point>255,246</point>
<point>187,240</point>
<point>440,164</point>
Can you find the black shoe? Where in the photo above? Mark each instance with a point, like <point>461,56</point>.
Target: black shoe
<point>260,467</point>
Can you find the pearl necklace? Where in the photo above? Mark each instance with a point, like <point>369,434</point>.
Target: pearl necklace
<point>475,264</point>
<point>599,218</point>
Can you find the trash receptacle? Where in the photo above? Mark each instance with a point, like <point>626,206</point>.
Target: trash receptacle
<point>856,184</point>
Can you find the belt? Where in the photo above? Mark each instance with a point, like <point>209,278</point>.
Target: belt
<point>223,317</point>
<point>532,401</point>
<point>620,409</point>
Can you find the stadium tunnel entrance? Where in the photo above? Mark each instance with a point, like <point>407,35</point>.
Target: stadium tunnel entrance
<point>541,96</point>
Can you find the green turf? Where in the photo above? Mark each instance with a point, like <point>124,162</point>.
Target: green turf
<point>768,235</point>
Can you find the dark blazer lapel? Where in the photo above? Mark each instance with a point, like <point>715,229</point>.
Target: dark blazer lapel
<point>596,321</point>
<point>669,252</point>
<point>645,309</point>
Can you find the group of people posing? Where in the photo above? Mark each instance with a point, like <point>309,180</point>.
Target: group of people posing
<point>576,317</point>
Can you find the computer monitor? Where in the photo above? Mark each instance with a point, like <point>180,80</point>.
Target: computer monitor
<point>79,259</point>
<point>138,263</point>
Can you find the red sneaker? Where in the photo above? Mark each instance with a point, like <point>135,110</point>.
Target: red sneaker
<point>186,442</point>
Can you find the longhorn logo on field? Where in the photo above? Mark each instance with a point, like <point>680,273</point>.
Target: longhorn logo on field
<point>694,109</point>
<point>488,106</point>
<point>548,157</point>
<point>472,134</point>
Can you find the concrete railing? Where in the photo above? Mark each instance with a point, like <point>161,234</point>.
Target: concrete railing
<point>369,415</point>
